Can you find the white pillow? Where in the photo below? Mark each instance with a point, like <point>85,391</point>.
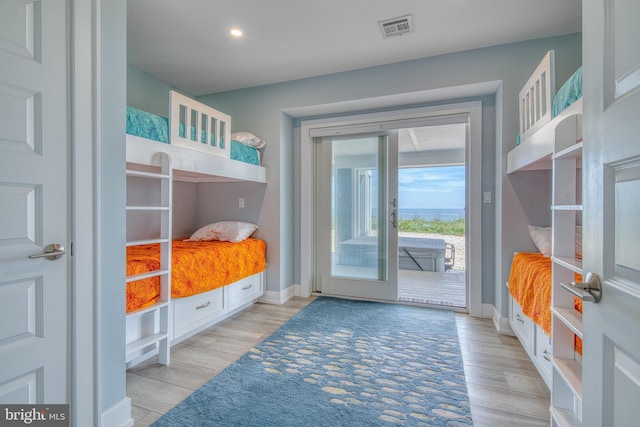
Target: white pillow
<point>541,237</point>
<point>226,231</point>
<point>249,139</point>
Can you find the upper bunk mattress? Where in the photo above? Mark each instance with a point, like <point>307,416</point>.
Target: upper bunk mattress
<point>150,126</point>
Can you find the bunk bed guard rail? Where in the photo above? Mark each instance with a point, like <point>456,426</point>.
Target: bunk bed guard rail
<point>198,126</point>
<point>536,97</point>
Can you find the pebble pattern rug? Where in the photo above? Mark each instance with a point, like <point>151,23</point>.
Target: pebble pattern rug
<point>341,363</point>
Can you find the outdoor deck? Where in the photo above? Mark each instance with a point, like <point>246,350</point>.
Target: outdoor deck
<point>427,287</point>
<point>424,287</point>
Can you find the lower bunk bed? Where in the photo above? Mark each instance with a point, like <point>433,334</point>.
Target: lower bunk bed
<point>210,281</point>
<point>530,309</point>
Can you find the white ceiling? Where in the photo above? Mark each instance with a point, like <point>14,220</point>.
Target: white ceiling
<point>431,138</point>
<point>185,42</point>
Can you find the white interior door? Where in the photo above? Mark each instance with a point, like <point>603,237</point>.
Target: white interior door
<point>356,218</point>
<point>34,201</point>
<point>611,180</point>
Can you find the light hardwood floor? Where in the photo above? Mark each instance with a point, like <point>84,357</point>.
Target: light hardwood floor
<point>504,386</point>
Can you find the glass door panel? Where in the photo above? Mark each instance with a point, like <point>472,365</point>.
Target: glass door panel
<point>357,246</point>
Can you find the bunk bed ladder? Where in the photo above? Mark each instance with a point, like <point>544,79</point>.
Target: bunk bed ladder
<point>156,318</point>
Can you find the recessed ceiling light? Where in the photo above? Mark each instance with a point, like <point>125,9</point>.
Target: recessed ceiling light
<point>235,32</point>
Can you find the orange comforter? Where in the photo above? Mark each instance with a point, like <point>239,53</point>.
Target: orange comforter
<point>530,286</point>
<point>196,267</point>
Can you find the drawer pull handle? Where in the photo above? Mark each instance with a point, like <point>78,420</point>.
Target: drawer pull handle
<point>205,305</point>
<point>519,318</point>
<point>546,356</point>
<point>247,287</point>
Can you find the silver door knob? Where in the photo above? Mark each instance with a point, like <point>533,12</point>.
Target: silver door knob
<point>590,290</point>
<point>50,252</point>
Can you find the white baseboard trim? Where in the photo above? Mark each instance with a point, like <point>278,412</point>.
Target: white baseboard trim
<point>280,297</point>
<point>502,324</point>
<point>487,311</point>
<point>119,415</point>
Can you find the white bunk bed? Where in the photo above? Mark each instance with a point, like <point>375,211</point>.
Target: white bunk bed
<point>537,122</point>
<point>194,161</point>
<point>551,138</point>
<point>192,158</point>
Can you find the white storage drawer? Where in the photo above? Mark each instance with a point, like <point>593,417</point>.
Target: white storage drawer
<point>543,352</point>
<point>192,312</point>
<point>521,325</point>
<point>245,290</point>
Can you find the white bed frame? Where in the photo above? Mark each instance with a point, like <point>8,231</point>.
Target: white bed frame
<point>192,161</point>
<point>537,127</point>
<point>541,140</point>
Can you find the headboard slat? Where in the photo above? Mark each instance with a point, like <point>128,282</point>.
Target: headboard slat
<point>536,97</point>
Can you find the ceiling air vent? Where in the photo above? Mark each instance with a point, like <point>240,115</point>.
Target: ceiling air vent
<point>396,26</point>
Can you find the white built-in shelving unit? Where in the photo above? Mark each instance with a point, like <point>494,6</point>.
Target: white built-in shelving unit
<point>566,209</point>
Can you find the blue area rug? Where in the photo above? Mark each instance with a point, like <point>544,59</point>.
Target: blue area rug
<point>341,363</point>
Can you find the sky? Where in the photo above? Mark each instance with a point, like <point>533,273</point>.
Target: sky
<point>431,188</point>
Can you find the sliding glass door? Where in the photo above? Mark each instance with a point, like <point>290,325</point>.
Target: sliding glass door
<point>356,216</point>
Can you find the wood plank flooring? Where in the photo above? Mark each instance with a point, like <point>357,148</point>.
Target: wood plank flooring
<point>504,386</point>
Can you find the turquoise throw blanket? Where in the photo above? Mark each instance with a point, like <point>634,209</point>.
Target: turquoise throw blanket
<point>147,125</point>
<point>569,93</point>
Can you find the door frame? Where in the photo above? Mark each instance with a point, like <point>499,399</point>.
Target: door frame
<point>377,122</point>
<point>84,385</point>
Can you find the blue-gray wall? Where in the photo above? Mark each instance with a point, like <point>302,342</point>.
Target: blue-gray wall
<point>267,110</point>
<point>147,93</point>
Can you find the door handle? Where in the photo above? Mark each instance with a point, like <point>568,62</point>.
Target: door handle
<point>590,290</point>
<point>50,252</point>
<point>394,218</point>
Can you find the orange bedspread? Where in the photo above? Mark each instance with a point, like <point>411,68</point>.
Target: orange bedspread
<point>530,286</point>
<point>196,267</point>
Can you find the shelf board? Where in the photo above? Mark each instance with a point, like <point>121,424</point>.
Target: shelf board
<point>148,208</point>
<point>571,373</point>
<point>566,207</point>
<point>145,174</point>
<point>570,317</point>
<point>147,242</point>
<point>158,305</point>
<point>145,342</point>
<point>569,263</point>
<point>564,417</point>
<point>147,275</point>
<point>572,152</point>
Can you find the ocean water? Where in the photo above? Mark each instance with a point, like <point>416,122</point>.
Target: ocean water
<point>431,214</point>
